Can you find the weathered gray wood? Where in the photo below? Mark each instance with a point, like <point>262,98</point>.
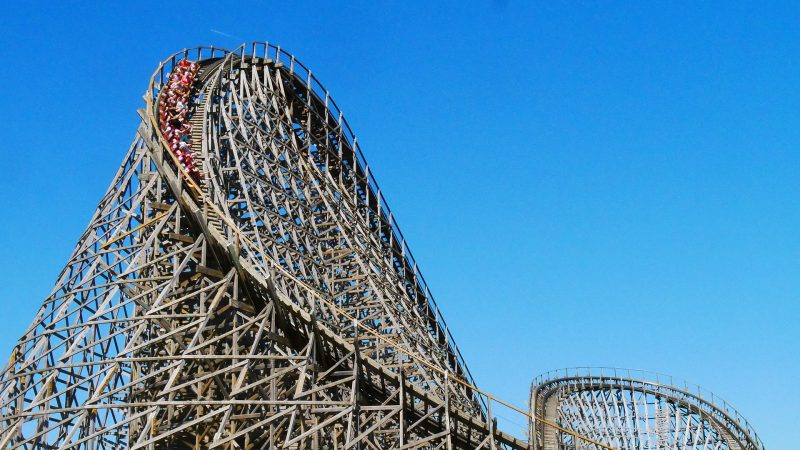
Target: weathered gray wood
<point>228,310</point>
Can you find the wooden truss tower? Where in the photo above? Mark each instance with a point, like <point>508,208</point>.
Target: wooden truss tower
<point>269,302</point>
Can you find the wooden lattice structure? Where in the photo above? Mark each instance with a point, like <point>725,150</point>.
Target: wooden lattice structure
<point>260,297</point>
<point>267,301</point>
<point>633,410</point>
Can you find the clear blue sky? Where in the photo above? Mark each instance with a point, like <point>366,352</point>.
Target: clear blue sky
<point>583,183</point>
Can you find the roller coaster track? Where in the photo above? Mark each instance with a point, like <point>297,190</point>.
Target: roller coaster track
<point>268,301</point>
<point>630,409</point>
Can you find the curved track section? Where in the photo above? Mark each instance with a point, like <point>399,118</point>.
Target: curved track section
<point>268,301</point>
<point>284,166</point>
<point>631,409</point>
